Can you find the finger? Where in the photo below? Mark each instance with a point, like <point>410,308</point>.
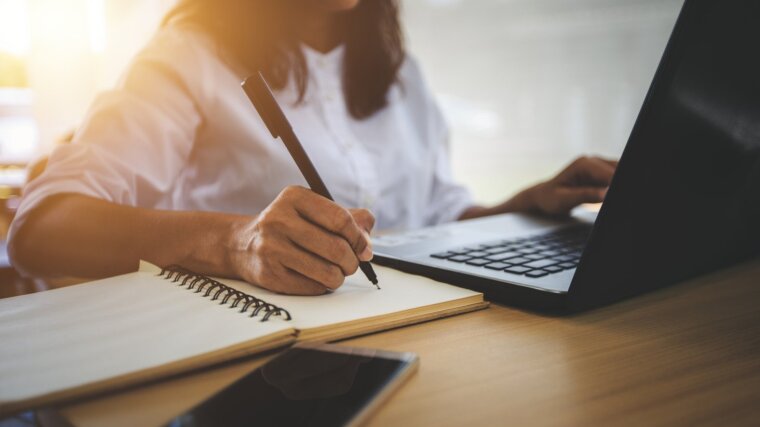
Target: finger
<point>324,244</point>
<point>366,253</point>
<point>611,162</point>
<point>364,219</point>
<point>570,197</point>
<point>321,271</point>
<point>592,170</point>
<point>600,170</point>
<point>298,284</point>
<point>332,217</point>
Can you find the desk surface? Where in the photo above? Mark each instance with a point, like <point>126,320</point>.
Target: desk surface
<point>686,355</point>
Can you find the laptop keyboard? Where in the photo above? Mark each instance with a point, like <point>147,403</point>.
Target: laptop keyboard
<point>535,256</point>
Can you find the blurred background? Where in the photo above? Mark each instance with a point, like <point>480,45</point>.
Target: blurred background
<point>525,84</point>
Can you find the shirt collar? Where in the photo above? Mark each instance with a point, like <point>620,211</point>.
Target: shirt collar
<point>328,64</point>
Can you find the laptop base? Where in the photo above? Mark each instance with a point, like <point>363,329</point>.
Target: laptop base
<point>495,291</point>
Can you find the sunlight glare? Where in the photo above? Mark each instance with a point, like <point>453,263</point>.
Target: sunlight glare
<point>14,27</point>
<point>97,20</point>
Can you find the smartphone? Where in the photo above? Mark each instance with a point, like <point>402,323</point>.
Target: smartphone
<point>308,385</point>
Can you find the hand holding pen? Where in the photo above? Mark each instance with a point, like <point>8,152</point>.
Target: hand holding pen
<point>302,244</point>
<point>322,212</point>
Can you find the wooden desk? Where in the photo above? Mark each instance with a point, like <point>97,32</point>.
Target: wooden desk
<point>686,355</point>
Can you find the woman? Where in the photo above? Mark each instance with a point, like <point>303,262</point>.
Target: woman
<point>174,166</point>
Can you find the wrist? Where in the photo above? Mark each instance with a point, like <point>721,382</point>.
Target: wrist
<point>524,201</point>
<point>530,198</point>
<point>208,242</point>
<point>237,240</point>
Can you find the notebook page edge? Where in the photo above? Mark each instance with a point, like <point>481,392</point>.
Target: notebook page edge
<point>260,345</point>
<point>354,329</point>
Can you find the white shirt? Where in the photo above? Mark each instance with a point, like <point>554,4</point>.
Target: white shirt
<point>178,132</point>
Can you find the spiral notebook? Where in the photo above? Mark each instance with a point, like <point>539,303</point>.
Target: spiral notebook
<point>72,342</point>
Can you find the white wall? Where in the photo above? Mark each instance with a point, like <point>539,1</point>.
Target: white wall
<point>529,84</point>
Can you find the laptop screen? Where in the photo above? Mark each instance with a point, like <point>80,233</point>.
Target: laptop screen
<point>686,197</point>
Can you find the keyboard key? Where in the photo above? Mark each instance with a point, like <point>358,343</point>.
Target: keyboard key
<point>541,263</point>
<point>549,253</point>
<point>497,249</point>
<point>517,269</point>
<point>460,251</point>
<point>497,265</point>
<point>478,262</point>
<point>443,255</point>
<point>512,241</point>
<point>536,273</point>
<point>503,256</point>
<point>477,254</point>
<point>490,245</point>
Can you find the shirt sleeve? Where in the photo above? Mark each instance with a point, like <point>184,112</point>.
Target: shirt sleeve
<point>448,198</point>
<point>134,140</point>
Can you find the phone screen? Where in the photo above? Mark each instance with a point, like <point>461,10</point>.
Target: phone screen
<point>301,387</point>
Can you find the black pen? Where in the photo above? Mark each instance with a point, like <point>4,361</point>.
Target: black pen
<point>257,89</point>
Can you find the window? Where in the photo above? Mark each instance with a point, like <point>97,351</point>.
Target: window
<point>55,56</point>
<point>17,129</point>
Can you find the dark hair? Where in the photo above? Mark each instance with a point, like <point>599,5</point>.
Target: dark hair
<point>259,35</point>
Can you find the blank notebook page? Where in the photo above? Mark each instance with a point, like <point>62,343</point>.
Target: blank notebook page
<point>68,337</point>
<point>359,299</point>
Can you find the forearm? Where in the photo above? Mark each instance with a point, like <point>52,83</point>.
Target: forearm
<point>521,202</point>
<point>75,235</point>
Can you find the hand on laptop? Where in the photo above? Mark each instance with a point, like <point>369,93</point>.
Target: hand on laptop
<point>303,243</point>
<point>585,180</point>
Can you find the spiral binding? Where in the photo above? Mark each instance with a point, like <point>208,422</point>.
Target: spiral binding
<point>199,283</point>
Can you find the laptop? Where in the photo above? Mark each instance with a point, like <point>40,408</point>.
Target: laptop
<point>685,199</point>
